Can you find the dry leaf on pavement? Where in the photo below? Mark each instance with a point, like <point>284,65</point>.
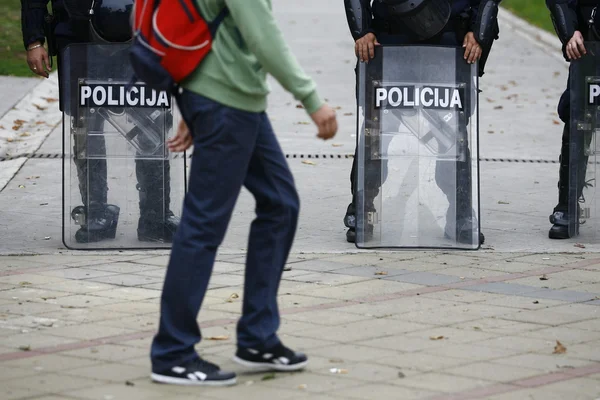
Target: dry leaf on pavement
<point>543,278</point>
<point>581,246</point>
<point>337,144</point>
<point>218,337</point>
<point>50,99</point>
<point>233,297</point>
<point>436,337</point>
<point>555,122</point>
<point>338,371</point>
<point>302,386</point>
<point>39,107</point>
<point>308,162</point>
<point>559,348</point>
<point>381,273</point>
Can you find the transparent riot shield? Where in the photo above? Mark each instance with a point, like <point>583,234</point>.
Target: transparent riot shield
<point>583,213</point>
<point>122,189</point>
<point>418,181</point>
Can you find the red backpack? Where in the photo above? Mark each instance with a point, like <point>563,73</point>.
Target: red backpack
<point>170,40</point>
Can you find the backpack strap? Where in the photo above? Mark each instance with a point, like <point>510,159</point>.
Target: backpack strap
<point>214,25</point>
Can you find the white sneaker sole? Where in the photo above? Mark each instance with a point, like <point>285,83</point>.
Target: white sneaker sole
<point>188,382</point>
<point>270,366</point>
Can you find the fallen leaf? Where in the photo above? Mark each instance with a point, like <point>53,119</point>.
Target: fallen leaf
<point>503,202</point>
<point>25,348</point>
<point>338,371</point>
<point>337,108</point>
<point>556,74</point>
<point>218,337</point>
<point>39,107</point>
<point>490,100</point>
<point>48,298</point>
<point>476,328</point>
<point>129,383</point>
<point>25,134</point>
<point>50,99</point>
<point>536,302</point>
<point>381,273</point>
<point>94,351</point>
<point>555,122</point>
<point>436,337</point>
<point>233,297</point>
<point>268,377</point>
<point>337,144</point>
<point>401,374</point>
<point>348,114</point>
<point>47,238</point>
<point>302,386</point>
<point>21,187</point>
<point>336,360</point>
<point>10,140</point>
<point>40,123</point>
<point>308,162</point>
<point>559,348</point>
<point>498,108</point>
<point>581,246</point>
<point>25,283</point>
<point>248,383</point>
<point>19,122</point>
<point>302,123</point>
<point>503,88</point>
<point>299,106</point>
<point>490,131</point>
<point>543,278</point>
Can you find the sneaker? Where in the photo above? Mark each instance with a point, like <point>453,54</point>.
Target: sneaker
<point>197,372</point>
<point>279,358</point>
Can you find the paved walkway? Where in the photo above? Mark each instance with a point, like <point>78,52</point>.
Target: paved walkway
<point>385,325</point>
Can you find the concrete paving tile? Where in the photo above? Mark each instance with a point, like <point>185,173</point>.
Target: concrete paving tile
<point>445,316</point>
<point>141,362</point>
<point>24,262</point>
<point>444,382</point>
<point>143,343</point>
<point>370,271</point>
<point>579,309</point>
<point>313,384</point>
<point>9,372</point>
<point>527,301</point>
<point>493,372</point>
<point>125,267</point>
<point>587,288</point>
<point>31,279</point>
<point>35,340</point>
<point>126,280</point>
<point>350,352</point>
<point>562,295</point>
<point>133,322</point>
<point>226,280</point>
<point>587,351</point>
<point>415,265</point>
<point>155,273</point>
<point>87,331</point>
<point>425,278</point>
<point>498,326</point>
<point>579,386</point>
<point>407,344</point>
<point>49,363</point>
<point>76,273</point>
<point>589,325</point>
<point>28,307</point>
<point>77,286</point>
<point>398,306</point>
<point>384,391</point>
<point>325,278</point>
<point>357,259</point>
<point>550,317</point>
<point>55,383</point>
<point>460,258</point>
<point>509,266</point>
<point>113,372</point>
<point>138,307</point>
<point>319,265</point>
<point>542,393</point>
<point>452,335</point>
<point>159,261</point>
<point>368,372</point>
<point>502,288</point>
<point>251,392</point>
<point>128,293</point>
<point>31,293</point>
<point>115,392</point>
<point>84,301</point>
<point>359,290</point>
<point>10,392</point>
<point>461,296</point>
<point>105,352</point>
<point>548,259</point>
<point>523,344</point>
<point>474,352</point>
<point>543,362</point>
<point>578,275</point>
<point>305,344</point>
<point>564,334</point>
<point>32,322</point>
<point>363,330</point>
<point>551,283</point>
<point>69,316</point>
<point>470,272</point>
<point>55,397</point>
<point>326,317</point>
<point>153,286</point>
<point>419,362</point>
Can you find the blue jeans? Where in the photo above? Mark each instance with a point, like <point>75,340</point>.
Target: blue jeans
<point>231,148</point>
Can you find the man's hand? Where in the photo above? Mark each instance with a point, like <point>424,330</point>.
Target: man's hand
<point>326,121</point>
<point>38,60</point>
<point>365,47</point>
<point>182,140</point>
<point>575,48</point>
<point>473,50</point>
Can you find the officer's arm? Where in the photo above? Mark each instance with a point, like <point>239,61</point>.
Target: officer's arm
<point>360,17</point>
<point>485,22</point>
<point>32,21</point>
<point>564,18</point>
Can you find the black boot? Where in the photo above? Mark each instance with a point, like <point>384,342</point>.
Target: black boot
<point>564,225</point>
<point>98,222</point>
<point>157,222</point>
<point>350,223</point>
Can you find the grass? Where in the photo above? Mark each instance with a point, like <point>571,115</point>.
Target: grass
<point>13,56</point>
<point>534,11</point>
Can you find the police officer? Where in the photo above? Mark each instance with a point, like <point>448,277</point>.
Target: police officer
<point>68,24</point>
<point>470,23</point>
<point>574,24</point>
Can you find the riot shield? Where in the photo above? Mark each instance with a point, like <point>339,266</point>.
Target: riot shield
<point>122,189</point>
<point>418,181</point>
<point>583,212</point>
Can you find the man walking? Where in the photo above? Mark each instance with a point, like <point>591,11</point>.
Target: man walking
<point>223,104</point>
